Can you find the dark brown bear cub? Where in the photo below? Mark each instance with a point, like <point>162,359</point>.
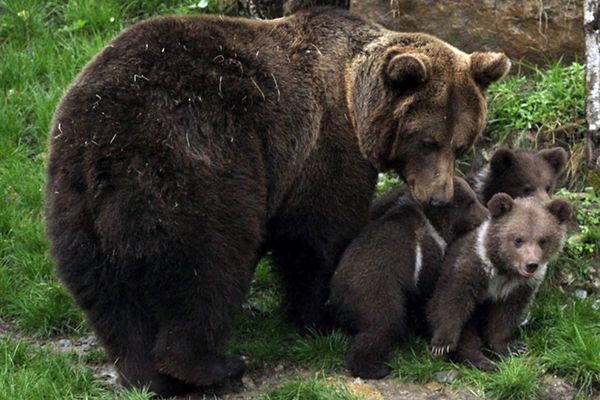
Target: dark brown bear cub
<point>520,173</point>
<point>390,268</point>
<point>491,275</point>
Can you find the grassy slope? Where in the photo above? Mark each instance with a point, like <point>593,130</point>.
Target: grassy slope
<point>42,46</point>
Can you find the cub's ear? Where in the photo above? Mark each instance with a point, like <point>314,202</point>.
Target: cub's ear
<point>557,158</point>
<point>502,160</point>
<point>500,204</point>
<point>407,68</point>
<point>489,67</point>
<point>561,209</point>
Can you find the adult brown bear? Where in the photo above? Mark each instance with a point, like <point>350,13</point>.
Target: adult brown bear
<point>191,145</point>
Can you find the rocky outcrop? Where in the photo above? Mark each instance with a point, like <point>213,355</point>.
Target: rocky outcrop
<point>535,31</point>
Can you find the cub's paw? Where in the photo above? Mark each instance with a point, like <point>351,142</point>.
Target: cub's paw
<point>518,349</point>
<point>443,343</point>
<point>484,364</point>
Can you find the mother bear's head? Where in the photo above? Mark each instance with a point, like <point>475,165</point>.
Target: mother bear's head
<point>417,103</point>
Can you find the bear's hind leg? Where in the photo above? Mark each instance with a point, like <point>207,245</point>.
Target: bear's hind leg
<point>195,317</point>
<point>377,333</point>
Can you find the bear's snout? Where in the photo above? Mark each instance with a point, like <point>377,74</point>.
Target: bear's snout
<point>531,267</point>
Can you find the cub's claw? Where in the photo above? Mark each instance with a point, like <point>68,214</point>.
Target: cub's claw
<point>440,350</point>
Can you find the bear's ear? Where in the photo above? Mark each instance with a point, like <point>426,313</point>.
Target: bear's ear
<point>409,69</point>
<point>489,67</point>
<point>500,204</point>
<point>561,209</point>
<point>557,158</point>
<point>502,160</point>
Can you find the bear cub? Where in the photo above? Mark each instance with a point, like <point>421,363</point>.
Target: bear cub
<point>491,275</point>
<point>391,268</point>
<point>520,173</point>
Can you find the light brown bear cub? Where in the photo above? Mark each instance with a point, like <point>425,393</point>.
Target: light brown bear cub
<point>391,269</point>
<point>491,275</point>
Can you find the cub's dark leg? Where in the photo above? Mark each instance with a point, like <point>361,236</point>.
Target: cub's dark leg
<point>378,330</point>
<point>451,306</point>
<point>469,351</point>
<point>504,318</point>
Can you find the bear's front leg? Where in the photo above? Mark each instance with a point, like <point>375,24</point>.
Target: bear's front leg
<point>504,318</point>
<point>452,304</point>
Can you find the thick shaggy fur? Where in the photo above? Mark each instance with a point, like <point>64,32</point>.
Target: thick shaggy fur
<point>391,268</point>
<point>191,145</point>
<point>491,275</point>
<point>521,173</point>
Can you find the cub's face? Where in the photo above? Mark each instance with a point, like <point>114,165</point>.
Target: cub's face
<point>523,173</point>
<point>527,233</point>
<point>463,214</point>
<point>417,103</point>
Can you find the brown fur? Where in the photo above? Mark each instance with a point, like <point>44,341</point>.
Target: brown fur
<point>192,145</point>
<point>375,286</point>
<point>491,275</point>
<point>521,173</point>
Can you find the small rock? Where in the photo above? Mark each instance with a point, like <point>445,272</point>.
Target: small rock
<point>279,368</point>
<point>64,343</point>
<point>446,376</point>
<point>596,305</point>
<point>581,294</point>
<point>248,383</point>
<point>434,386</point>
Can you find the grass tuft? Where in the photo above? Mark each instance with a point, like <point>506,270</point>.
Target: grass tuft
<point>313,389</point>
<point>322,352</point>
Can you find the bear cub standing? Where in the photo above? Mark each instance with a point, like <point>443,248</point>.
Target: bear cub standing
<point>491,275</point>
<point>391,267</point>
<point>520,173</point>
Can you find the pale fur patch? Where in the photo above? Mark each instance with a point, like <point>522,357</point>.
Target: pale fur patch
<point>480,178</point>
<point>436,236</point>
<point>418,262</point>
<point>481,250</point>
<point>501,286</point>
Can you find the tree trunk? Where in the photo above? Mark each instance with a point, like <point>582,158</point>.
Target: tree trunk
<point>592,44</point>
<point>269,9</point>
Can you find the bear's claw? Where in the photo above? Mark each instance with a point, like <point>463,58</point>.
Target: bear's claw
<point>440,350</point>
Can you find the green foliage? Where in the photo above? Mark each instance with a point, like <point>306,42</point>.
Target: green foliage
<point>30,373</point>
<point>313,389</point>
<point>322,352</point>
<point>543,101</point>
<point>387,181</point>
<point>415,364</point>
<point>587,214</point>
<point>516,379</point>
<point>565,332</point>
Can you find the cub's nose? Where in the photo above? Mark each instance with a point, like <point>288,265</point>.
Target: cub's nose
<point>438,202</point>
<point>531,267</point>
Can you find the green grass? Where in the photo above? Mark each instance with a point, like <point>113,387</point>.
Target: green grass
<point>313,389</point>
<point>43,45</point>
<point>29,373</point>
<point>522,106</point>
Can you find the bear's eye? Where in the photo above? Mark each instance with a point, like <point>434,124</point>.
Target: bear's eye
<point>542,242</point>
<point>518,242</point>
<point>548,188</point>
<point>430,145</point>
<point>527,190</point>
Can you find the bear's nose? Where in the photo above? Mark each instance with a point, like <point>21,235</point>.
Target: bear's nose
<point>438,202</point>
<point>531,267</point>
